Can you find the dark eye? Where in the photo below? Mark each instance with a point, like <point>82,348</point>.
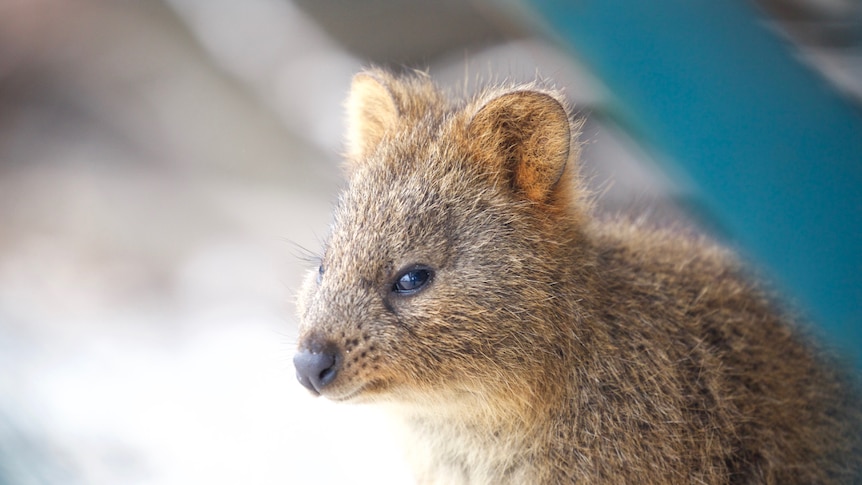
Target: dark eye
<point>412,281</point>
<point>320,273</point>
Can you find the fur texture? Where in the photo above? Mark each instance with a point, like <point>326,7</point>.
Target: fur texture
<point>550,347</point>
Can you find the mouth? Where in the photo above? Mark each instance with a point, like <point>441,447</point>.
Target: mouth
<point>331,394</point>
<point>346,396</point>
<point>363,393</point>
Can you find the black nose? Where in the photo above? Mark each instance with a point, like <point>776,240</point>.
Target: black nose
<point>316,369</point>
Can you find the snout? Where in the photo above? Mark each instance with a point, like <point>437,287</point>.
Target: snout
<point>317,366</point>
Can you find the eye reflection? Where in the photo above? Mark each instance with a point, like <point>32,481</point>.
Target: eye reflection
<point>412,281</point>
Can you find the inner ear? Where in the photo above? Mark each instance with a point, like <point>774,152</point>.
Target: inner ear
<point>525,137</point>
<point>371,111</point>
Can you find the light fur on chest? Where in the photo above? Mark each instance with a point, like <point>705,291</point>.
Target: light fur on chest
<point>452,444</point>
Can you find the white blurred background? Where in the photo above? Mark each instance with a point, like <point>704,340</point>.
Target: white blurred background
<point>166,166</point>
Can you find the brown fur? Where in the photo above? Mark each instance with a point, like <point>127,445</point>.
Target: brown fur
<point>551,347</point>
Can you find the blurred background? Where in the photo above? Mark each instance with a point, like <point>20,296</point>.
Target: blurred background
<point>167,167</point>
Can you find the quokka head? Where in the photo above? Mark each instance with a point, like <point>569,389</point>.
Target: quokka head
<point>449,246</point>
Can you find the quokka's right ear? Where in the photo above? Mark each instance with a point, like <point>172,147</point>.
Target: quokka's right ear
<point>371,111</point>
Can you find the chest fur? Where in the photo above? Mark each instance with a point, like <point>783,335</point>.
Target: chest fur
<point>447,450</point>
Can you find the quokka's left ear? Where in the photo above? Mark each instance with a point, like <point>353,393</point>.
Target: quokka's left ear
<point>525,136</point>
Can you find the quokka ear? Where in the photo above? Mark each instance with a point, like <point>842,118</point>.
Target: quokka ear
<point>525,136</point>
<point>371,111</point>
